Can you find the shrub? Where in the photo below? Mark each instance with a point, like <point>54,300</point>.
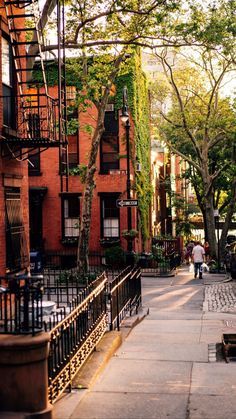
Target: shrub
<point>115,256</point>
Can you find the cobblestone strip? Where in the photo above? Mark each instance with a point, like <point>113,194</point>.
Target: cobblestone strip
<point>220,298</point>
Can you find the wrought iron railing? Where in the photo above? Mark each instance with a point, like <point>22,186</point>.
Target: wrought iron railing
<point>36,117</point>
<point>124,296</point>
<point>20,307</point>
<point>76,336</point>
<point>159,265</point>
<point>66,259</point>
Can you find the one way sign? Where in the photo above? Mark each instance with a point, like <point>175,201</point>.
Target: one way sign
<point>120,203</point>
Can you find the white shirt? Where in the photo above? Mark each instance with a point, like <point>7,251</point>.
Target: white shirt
<point>198,253</point>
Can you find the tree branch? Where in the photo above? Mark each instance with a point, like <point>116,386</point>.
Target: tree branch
<point>170,121</point>
<point>180,102</point>
<point>184,157</point>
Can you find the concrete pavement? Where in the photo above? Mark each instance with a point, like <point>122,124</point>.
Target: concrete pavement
<point>168,365</point>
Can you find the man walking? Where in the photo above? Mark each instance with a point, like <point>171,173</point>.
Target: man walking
<point>198,255</point>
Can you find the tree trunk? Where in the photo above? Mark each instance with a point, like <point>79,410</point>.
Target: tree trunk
<point>228,218</point>
<point>209,206</point>
<point>84,233</point>
<point>210,223</point>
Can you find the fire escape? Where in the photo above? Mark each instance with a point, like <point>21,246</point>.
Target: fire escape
<point>38,121</point>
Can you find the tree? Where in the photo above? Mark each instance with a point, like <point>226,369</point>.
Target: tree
<point>111,27</point>
<point>107,30</point>
<point>199,123</point>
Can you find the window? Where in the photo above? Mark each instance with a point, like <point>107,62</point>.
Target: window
<point>6,63</point>
<point>34,164</point>
<point>110,221</point>
<point>72,107</point>
<point>9,117</point>
<point>72,127</point>
<point>73,153</point>
<point>16,245</point>
<point>70,95</point>
<point>110,144</point>
<point>70,218</point>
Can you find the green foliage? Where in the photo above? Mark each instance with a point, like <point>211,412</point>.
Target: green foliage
<point>88,129</point>
<point>80,170</point>
<point>72,126</point>
<point>115,256</point>
<point>157,252</point>
<point>184,228</point>
<point>73,73</point>
<point>133,77</point>
<point>211,24</point>
<point>129,234</point>
<point>201,127</point>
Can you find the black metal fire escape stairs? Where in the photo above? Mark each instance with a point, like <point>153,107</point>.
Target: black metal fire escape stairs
<point>37,115</point>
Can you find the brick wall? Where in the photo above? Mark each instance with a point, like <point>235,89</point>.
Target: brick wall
<point>14,173</point>
<point>104,183</point>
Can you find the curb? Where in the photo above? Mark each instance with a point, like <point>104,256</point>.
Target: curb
<point>97,361</point>
<point>105,349</point>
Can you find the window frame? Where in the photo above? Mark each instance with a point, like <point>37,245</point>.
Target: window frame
<point>103,197</point>
<point>75,163</point>
<point>66,197</point>
<point>111,124</point>
<point>34,167</point>
<point>8,87</point>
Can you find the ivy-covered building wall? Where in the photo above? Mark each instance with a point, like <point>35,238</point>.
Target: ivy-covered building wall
<point>111,183</point>
<point>136,83</point>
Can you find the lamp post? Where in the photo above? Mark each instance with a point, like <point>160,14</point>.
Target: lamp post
<point>125,120</point>
<point>217,226</point>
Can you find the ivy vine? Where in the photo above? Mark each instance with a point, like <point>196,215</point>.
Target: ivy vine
<point>132,76</point>
<point>135,81</point>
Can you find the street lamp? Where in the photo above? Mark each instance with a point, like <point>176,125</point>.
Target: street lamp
<point>217,226</point>
<point>125,120</point>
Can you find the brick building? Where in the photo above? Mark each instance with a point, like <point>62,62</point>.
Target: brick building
<point>55,208</point>
<point>14,220</point>
<point>21,112</point>
<point>40,202</point>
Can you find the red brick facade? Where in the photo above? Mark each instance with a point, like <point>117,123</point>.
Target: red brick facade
<point>114,182</point>
<point>14,172</point>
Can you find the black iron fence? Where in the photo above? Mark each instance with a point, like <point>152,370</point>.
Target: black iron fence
<point>159,264</point>
<point>66,259</point>
<point>76,315</point>
<point>76,336</point>
<point>20,306</point>
<point>124,296</point>
<point>168,245</point>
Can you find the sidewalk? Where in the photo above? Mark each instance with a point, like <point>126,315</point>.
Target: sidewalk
<point>168,365</point>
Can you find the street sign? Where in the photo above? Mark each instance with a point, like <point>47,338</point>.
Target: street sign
<point>121,203</point>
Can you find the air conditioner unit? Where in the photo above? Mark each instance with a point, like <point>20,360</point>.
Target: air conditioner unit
<point>109,107</point>
<point>138,167</point>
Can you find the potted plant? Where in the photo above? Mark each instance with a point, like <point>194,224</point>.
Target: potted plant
<point>129,234</point>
